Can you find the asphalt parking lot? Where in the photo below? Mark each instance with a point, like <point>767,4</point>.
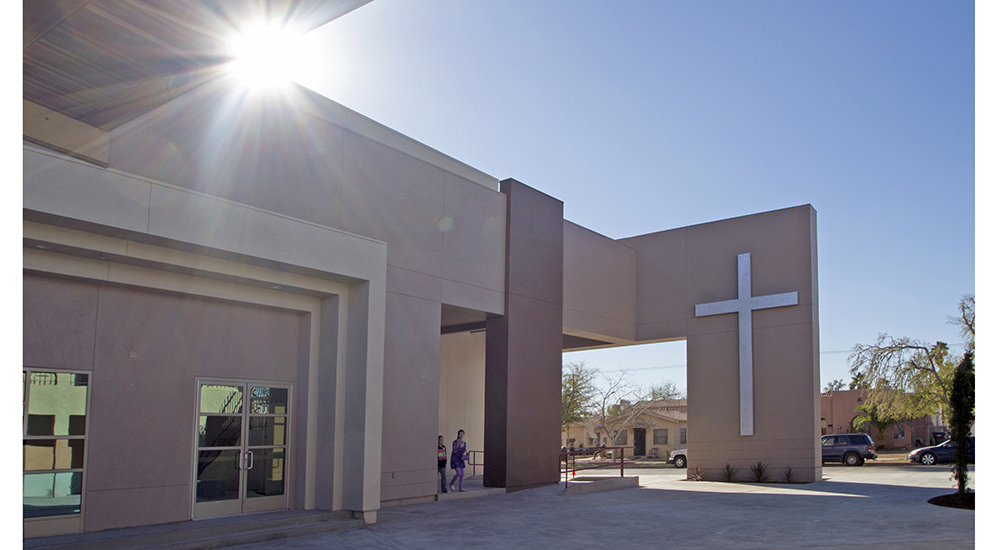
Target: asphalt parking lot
<point>884,504</point>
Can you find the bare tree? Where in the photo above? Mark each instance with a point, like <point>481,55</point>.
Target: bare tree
<point>619,403</point>
<point>966,321</point>
<point>664,391</point>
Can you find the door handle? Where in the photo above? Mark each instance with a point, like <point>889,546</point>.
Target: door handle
<point>250,467</point>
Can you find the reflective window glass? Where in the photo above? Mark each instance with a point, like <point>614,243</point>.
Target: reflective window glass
<point>267,430</point>
<point>268,400</point>
<point>219,431</point>
<point>267,477</point>
<point>54,406</point>
<point>57,403</point>
<point>52,494</point>
<point>218,476</point>
<point>53,454</point>
<point>221,399</point>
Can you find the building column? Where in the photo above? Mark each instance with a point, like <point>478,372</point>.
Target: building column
<point>524,347</point>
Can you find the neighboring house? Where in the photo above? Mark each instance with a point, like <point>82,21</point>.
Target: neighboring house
<point>660,428</point>
<point>839,409</point>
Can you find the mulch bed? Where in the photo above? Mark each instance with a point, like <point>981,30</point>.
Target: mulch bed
<point>951,501</point>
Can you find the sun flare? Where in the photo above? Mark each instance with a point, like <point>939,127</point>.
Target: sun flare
<point>269,56</point>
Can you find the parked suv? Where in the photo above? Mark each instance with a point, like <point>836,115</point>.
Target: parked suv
<point>851,449</point>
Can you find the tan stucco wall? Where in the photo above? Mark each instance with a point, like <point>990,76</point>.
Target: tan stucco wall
<point>149,351</point>
<point>677,269</point>
<point>116,229</point>
<point>309,158</point>
<point>680,268</point>
<point>599,293</point>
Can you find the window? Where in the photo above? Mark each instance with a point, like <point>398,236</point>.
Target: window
<point>684,436</point>
<point>900,432</point>
<point>54,438</point>
<point>621,438</point>
<point>858,439</point>
<point>660,437</point>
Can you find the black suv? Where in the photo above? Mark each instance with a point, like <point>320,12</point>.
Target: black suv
<point>851,449</point>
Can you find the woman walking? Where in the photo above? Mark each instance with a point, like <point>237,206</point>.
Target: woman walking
<point>458,457</point>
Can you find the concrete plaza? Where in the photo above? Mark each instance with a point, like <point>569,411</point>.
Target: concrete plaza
<point>875,505</point>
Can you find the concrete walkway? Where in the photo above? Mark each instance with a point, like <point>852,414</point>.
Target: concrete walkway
<point>853,508</point>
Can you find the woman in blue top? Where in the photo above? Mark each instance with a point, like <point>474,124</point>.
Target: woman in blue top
<point>458,457</point>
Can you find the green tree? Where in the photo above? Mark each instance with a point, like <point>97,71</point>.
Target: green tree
<point>870,417</point>
<point>963,413</point>
<point>905,378</point>
<point>910,378</point>
<point>578,392</point>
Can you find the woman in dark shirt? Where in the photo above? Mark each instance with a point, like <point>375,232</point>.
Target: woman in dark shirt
<point>442,463</point>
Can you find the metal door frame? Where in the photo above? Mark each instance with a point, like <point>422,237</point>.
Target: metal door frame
<point>242,504</point>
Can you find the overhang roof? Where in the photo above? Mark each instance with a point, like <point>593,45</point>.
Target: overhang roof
<point>106,62</point>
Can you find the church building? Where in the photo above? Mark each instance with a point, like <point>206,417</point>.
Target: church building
<point>238,302</point>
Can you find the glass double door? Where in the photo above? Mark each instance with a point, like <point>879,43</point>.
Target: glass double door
<point>241,440</point>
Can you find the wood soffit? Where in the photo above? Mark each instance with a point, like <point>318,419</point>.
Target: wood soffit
<point>107,62</point>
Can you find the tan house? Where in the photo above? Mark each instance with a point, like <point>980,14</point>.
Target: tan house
<point>659,428</point>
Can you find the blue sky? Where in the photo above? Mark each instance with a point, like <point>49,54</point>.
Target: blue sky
<point>644,116</point>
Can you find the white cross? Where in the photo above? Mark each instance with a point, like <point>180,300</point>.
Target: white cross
<point>744,304</point>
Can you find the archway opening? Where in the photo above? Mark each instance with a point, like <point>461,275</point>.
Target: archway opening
<point>462,381</point>
<point>638,398</point>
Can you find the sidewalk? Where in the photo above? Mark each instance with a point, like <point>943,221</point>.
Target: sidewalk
<point>853,507</point>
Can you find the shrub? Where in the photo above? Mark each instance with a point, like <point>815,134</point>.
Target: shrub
<point>759,473</point>
<point>729,474</point>
<point>963,405</point>
<point>788,474</point>
<point>697,475</point>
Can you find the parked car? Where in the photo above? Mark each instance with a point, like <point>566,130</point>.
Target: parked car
<point>851,449</point>
<point>678,458</point>
<point>944,452</point>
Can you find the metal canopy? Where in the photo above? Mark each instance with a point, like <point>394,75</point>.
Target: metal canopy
<point>106,62</point>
